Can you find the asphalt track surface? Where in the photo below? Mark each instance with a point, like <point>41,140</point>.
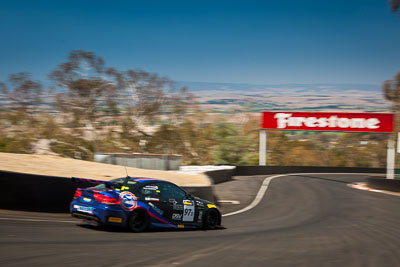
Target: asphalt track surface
<point>302,220</point>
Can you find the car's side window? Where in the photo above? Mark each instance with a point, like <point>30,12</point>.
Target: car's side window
<point>150,190</point>
<point>171,191</point>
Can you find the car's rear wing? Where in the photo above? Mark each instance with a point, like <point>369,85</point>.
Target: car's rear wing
<point>84,180</point>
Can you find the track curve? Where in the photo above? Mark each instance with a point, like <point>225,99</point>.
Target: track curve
<point>303,220</point>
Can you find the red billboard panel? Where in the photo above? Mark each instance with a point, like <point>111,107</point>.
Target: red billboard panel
<point>328,121</point>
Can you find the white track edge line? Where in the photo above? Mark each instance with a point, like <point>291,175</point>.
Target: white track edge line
<point>264,187</point>
<point>259,196</point>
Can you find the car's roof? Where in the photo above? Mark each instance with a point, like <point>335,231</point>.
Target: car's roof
<point>144,179</point>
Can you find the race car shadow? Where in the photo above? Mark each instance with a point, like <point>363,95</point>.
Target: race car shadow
<point>114,229</point>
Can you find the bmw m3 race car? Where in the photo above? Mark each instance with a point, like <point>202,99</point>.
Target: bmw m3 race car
<point>142,203</point>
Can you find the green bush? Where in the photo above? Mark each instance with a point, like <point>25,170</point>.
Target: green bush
<point>20,144</point>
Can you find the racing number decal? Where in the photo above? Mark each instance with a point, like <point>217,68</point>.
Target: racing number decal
<point>188,211</point>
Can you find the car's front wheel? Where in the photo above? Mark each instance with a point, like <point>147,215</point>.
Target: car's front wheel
<point>211,219</point>
<point>138,221</point>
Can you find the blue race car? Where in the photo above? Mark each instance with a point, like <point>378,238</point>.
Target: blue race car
<point>142,203</point>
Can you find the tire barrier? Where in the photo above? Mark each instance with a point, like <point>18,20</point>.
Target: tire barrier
<point>381,183</point>
<point>29,192</point>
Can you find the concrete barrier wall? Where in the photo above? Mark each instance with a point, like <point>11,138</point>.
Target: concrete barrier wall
<point>265,170</point>
<point>384,184</point>
<point>220,176</point>
<point>20,191</point>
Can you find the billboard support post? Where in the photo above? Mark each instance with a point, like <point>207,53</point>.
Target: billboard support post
<point>398,142</point>
<point>390,158</point>
<point>263,148</point>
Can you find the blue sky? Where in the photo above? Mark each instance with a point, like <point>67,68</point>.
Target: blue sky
<point>259,42</point>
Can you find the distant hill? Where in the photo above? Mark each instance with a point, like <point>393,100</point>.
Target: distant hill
<point>239,97</point>
<point>243,97</point>
<point>209,86</point>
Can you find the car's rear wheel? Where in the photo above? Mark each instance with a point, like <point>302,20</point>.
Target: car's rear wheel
<point>138,221</point>
<point>211,219</point>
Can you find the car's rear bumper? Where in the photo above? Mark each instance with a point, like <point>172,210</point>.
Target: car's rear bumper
<point>101,214</point>
<point>85,216</point>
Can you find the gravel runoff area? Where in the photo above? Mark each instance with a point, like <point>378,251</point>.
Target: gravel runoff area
<point>50,165</point>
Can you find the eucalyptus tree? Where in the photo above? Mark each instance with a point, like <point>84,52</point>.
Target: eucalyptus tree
<point>23,96</point>
<point>391,90</point>
<point>155,108</point>
<point>395,5</point>
<point>87,91</point>
<point>90,94</point>
<point>151,95</point>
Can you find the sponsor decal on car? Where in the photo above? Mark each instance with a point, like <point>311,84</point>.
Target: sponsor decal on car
<point>84,209</point>
<point>199,203</point>
<point>86,199</point>
<point>177,206</point>
<point>151,199</point>
<point>188,202</point>
<point>115,219</point>
<point>210,206</point>
<point>181,226</point>
<point>150,187</point>
<point>150,190</point>
<point>128,200</point>
<point>157,209</point>
<point>176,216</point>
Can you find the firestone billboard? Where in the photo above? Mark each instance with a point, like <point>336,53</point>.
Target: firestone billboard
<point>328,121</point>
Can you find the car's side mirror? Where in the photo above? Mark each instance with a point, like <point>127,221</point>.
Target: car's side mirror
<point>189,196</point>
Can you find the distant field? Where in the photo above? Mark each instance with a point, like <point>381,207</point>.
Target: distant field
<point>355,98</point>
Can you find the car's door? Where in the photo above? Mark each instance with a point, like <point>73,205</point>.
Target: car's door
<point>151,194</point>
<point>181,209</point>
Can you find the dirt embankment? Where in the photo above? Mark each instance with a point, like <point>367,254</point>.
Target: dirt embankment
<point>66,167</point>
